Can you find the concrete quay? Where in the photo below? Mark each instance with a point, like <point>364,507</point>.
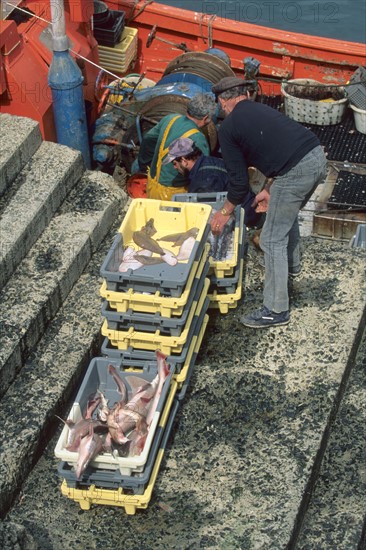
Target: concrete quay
<point>267,448</point>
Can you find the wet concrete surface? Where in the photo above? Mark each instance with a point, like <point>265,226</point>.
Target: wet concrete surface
<point>337,511</point>
<point>245,440</point>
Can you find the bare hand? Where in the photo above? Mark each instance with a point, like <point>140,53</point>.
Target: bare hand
<point>218,222</point>
<point>261,201</point>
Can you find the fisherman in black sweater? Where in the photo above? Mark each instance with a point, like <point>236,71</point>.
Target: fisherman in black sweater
<point>253,134</point>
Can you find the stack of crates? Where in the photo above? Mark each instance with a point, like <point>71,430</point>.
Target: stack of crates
<point>157,306</point>
<point>120,56</point>
<point>124,481</point>
<point>226,272</point>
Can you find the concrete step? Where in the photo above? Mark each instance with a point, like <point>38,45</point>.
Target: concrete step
<point>337,509</point>
<point>32,200</point>
<point>250,435</point>
<point>19,139</point>
<point>43,280</point>
<point>48,379</point>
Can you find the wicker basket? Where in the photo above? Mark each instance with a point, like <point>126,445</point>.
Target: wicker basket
<point>321,113</point>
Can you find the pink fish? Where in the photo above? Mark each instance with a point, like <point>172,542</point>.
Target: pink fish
<point>130,421</point>
<point>90,446</point>
<point>127,416</point>
<point>77,430</point>
<point>147,396</point>
<point>103,410</point>
<point>125,425</point>
<point>163,372</point>
<point>120,383</point>
<point>128,253</point>
<point>140,401</point>
<point>137,443</point>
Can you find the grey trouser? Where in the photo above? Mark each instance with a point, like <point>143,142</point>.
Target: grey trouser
<point>280,236</point>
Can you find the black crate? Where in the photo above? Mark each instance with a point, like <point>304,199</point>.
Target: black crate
<point>110,35</point>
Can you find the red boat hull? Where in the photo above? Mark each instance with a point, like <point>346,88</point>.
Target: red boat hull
<point>25,59</point>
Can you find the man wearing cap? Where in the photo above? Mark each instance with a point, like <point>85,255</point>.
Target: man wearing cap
<point>163,180</point>
<point>206,174</point>
<point>253,134</point>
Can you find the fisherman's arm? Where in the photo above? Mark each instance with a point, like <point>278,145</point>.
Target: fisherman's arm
<point>147,147</point>
<point>261,200</point>
<point>238,187</point>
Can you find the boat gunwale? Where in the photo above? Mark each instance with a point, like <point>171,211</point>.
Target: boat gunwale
<point>243,28</point>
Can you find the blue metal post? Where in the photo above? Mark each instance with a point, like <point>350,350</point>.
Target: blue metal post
<point>66,82</point>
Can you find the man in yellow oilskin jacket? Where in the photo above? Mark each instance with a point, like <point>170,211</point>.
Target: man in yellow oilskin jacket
<point>163,180</point>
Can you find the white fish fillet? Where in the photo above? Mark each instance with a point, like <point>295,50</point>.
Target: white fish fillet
<point>186,249</point>
<point>130,262</point>
<point>169,257</point>
<point>128,253</point>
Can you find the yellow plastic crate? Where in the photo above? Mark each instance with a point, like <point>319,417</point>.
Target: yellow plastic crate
<point>194,347</point>
<point>154,303</point>
<point>196,342</point>
<point>224,302</point>
<point>155,340</point>
<point>119,497</point>
<point>169,217</point>
<point>113,497</point>
<point>120,57</point>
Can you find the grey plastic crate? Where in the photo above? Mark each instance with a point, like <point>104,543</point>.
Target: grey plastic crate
<point>96,378</point>
<point>108,479</point>
<point>150,322</point>
<point>228,284</point>
<point>134,357</point>
<point>169,280</point>
<point>215,200</point>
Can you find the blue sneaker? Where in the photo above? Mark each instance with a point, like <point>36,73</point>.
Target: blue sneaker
<point>263,318</point>
<point>294,271</point>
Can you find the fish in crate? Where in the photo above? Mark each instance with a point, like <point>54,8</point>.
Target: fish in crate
<point>117,425</point>
<point>221,246</point>
<point>150,252</point>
